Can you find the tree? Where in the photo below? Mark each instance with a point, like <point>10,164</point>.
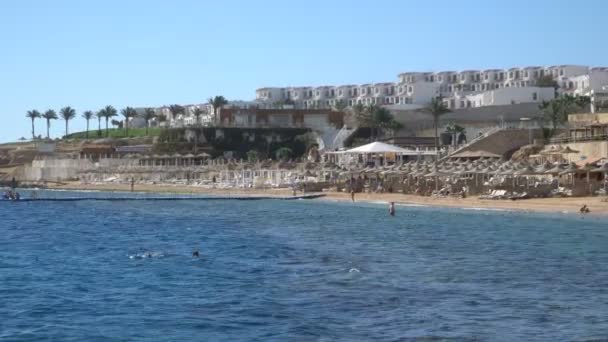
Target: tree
<point>161,118</point>
<point>33,115</point>
<point>148,115</point>
<point>217,102</point>
<point>340,106</point>
<point>556,111</point>
<point>197,114</point>
<point>49,115</point>
<point>283,153</point>
<point>109,112</point>
<point>99,115</point>
<point>117,123</point>
<point>437,108</point>
<point>253,156</point>
<point>128,112</point>
<point>384,119</point>
<point>67,113</point>
<point>583,102</point>
<point>362,116</point>
<point>87,115</point>
<point>176,110</point>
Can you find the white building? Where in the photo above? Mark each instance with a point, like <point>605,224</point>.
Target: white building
<point>478,87</point>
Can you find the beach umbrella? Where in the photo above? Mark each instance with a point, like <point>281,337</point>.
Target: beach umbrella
<point>544,168</point>
<point>556,170</point>
<point>602,169</point>
<point>528,170</point>
<point>568,150</point>
<point>572,168</point>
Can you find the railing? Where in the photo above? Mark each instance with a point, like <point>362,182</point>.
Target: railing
<point>476,139</point>
<point>603,137</point>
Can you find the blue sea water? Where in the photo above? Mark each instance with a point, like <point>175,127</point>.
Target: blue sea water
<point>297,271</point>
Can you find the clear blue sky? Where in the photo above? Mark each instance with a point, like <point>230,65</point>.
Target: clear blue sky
<point>88,54</point>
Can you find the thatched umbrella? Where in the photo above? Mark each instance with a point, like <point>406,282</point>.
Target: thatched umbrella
<point>572,168</point>
<point>556,170</point>
<point>603,169</point>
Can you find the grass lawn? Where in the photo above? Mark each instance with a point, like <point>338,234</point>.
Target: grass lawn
<point>117,133</point>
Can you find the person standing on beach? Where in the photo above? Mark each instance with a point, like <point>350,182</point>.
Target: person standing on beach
<point>391,209</point>
<point>132,184</point>
<point>352,194</point>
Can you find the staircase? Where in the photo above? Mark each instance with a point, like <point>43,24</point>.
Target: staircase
<point>332,139</point>
<point>497,141</point>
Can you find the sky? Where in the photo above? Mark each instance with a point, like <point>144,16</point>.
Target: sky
<point>146,53</point>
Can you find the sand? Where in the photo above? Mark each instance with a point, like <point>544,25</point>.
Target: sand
<point>563,205</point>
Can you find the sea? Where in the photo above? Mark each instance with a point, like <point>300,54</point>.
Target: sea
<point>304,270</point>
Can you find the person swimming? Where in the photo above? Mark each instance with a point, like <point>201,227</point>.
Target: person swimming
<point>585,209</point>
<point>195,254</point>
<point>391,209</point>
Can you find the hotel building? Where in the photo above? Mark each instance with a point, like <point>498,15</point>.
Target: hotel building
<point>463,89</point>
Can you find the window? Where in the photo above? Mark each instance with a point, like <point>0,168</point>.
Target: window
<point>486,76</point>
<point>461,104</point>
<point>534,96</point>
<point>561,72</point>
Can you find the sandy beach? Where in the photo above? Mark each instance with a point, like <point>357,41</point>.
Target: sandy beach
<point>562,205</point>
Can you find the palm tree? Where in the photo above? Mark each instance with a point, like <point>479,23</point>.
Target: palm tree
<point>361,115</point>
<point>67,114</point>
<point>384,119</point>
<point>176,110</point>
<point>161,118</point>
<point>49,115</point>
<point>33,115</point>
<point>99,115</point>
<point>128,112</point>
<point>197,114</point>
<point>437,108</point>
<point>87,115</point>
<point>148,115</point>
<point>109,112</point>
<point>217,103</point>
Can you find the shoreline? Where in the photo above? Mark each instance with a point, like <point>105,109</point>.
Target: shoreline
<point>564,205</point>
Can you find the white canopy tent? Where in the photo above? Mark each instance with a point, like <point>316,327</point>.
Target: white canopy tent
<point>378,152</point>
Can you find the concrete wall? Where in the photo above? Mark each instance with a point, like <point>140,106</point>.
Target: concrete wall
<point>55,169</point>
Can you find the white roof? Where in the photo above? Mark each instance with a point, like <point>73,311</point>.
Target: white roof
<point>377,147</point>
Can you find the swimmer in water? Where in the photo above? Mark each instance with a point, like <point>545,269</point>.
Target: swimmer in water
<point>195,254</point>
<point>391,209</point>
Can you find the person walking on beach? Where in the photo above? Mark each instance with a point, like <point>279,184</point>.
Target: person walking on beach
<point>352,194</point>
<point>391,209</point>
<point>132,184</point>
